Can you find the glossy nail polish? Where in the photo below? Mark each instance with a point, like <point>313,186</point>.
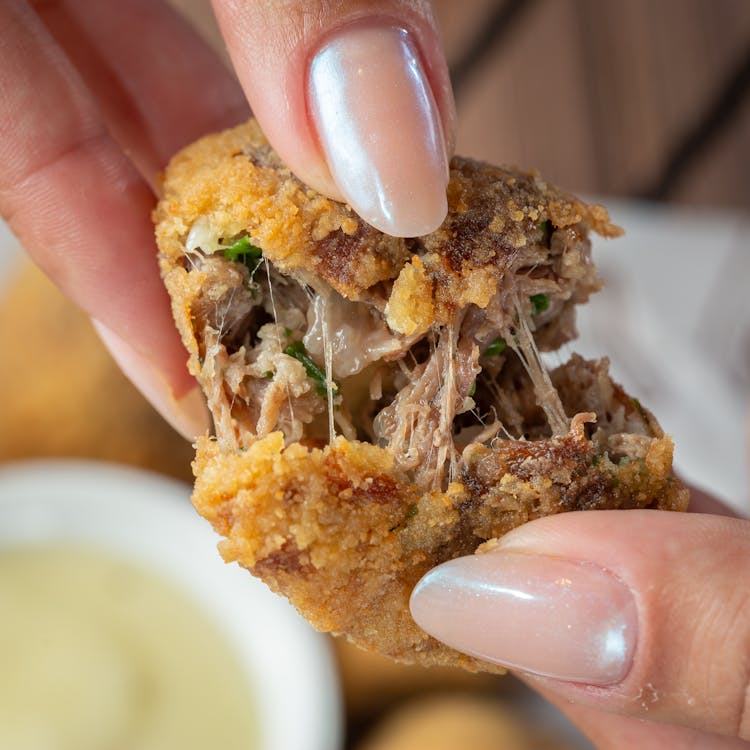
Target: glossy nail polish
<point>544,615</point>
<point>379,128</point>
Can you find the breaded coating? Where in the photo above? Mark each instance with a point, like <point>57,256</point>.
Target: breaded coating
<point>235,183</point>
<point>380,403</point>
<point>345,535</point>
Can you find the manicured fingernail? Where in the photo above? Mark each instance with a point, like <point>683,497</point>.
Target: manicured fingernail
<point>380,128</point>
<point>187,413</point>
<point>544,615</point>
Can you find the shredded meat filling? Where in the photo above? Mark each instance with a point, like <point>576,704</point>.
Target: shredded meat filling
<point>283,352</point>
<point>418,425</point>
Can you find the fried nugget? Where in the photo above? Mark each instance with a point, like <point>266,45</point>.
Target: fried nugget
<point>457,720</point>
<point>380,403</point>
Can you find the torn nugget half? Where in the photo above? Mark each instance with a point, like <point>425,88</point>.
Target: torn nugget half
<point>380,403</point>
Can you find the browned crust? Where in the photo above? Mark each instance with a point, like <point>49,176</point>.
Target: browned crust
<point>235,182</point>
<point>345,536</point>
<point>340,530</point>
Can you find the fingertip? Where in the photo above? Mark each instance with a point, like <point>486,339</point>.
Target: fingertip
<point>682,617</point>
<point>378,124</point>
<point>181,403</point>
<point>356,99</point>
<point>542,615</point>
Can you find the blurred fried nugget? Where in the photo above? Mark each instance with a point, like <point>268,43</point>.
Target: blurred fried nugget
<point>64,395</point>
<point>456,721</point>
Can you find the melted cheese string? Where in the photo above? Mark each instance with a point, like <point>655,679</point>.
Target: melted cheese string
<point>278,335</point>
<point>524,346</point>
<point>328,354</point>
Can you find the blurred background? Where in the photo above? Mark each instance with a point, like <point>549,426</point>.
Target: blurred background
<point>638,98</point>
<point>645,105</point>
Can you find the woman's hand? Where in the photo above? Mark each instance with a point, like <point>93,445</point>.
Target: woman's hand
<point>617,617</point>
<point>96,96</point>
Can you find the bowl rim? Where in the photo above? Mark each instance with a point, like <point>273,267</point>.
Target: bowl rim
<point>146,519</point>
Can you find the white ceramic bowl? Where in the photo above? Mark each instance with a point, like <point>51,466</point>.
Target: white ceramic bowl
<point>148,519</point>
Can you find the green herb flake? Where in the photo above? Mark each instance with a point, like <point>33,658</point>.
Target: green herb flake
<point>545,227</point>
<point>413,510</point>
<point>268,374</point>
<point>242,251</point>
<point>473,389</point>
<point>539,303</point>
<point>596,460</point>
<point>297,350</point>
<point>496,347</point>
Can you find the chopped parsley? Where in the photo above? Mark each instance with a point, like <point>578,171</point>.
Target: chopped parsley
<point>496,347</point>
<point>539,303</point>
<point>297,350</point>
<point>243,251</point>
<point>473,388</point>
<point>268,374</point>
<point>545,227</point>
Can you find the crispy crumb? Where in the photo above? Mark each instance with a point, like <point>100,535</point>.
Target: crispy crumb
<point>342,529</point>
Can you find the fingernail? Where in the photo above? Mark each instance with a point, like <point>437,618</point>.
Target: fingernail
<point>380,129</point>
<point>187,414</point>
<point>543,615</point>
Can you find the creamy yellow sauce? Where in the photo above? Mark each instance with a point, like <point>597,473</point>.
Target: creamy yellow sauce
<point>97,654</point>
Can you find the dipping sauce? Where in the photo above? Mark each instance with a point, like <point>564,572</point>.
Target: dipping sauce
<point>99,654</point>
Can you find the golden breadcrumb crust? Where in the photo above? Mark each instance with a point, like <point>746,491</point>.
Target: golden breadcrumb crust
<point>234,182</point>
<point>340,530</point>
<point>345,536</point>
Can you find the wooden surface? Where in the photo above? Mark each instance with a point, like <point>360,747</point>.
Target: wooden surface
<point>603,96</point>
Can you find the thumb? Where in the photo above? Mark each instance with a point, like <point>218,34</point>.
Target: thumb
<point>355,97</point>
<point>643,613</point>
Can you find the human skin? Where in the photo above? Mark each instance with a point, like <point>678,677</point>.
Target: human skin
<point>675,583</point>
<point>95,97</point>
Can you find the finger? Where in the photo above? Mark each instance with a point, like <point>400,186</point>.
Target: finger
<point>156,82</point>
<point>642,613</point>
<point>355,97</point>
<point>615,732</point>
<point>79,207</point>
